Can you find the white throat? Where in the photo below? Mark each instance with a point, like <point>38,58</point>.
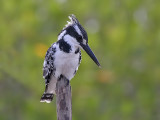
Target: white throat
<point>72,42</point>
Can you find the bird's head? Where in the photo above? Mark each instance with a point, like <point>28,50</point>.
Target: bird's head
<point>74,33</point>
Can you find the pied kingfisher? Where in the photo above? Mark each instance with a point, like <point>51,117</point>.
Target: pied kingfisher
<point>64,56</point>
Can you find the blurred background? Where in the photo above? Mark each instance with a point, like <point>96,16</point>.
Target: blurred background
<point>124,35</point>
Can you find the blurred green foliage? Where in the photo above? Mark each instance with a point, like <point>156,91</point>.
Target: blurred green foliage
<point>125,36</point>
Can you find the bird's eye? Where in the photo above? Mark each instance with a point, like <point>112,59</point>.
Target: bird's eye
<point>80,37</point>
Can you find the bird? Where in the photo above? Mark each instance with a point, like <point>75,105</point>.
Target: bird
<point>63,58</point>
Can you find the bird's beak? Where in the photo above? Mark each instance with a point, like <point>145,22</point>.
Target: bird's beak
<point>90,53</point>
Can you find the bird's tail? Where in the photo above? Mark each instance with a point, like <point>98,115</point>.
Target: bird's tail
<point>49,91</point>
<point>47,97</point>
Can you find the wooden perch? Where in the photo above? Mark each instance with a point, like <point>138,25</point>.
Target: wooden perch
<point>63,99</point>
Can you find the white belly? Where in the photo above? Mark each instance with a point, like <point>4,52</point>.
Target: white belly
<point>66,64</point>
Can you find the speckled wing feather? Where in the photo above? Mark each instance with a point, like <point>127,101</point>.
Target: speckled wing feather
<point>48,66</point>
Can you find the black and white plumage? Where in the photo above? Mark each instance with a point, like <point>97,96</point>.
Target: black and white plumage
<point>64,56</point>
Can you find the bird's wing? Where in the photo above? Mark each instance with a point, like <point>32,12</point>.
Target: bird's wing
<point>48,66</point>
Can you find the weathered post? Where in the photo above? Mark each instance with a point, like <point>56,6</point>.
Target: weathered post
<point>63,99</point>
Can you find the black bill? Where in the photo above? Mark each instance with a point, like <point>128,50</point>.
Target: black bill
<point>90,53</point>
